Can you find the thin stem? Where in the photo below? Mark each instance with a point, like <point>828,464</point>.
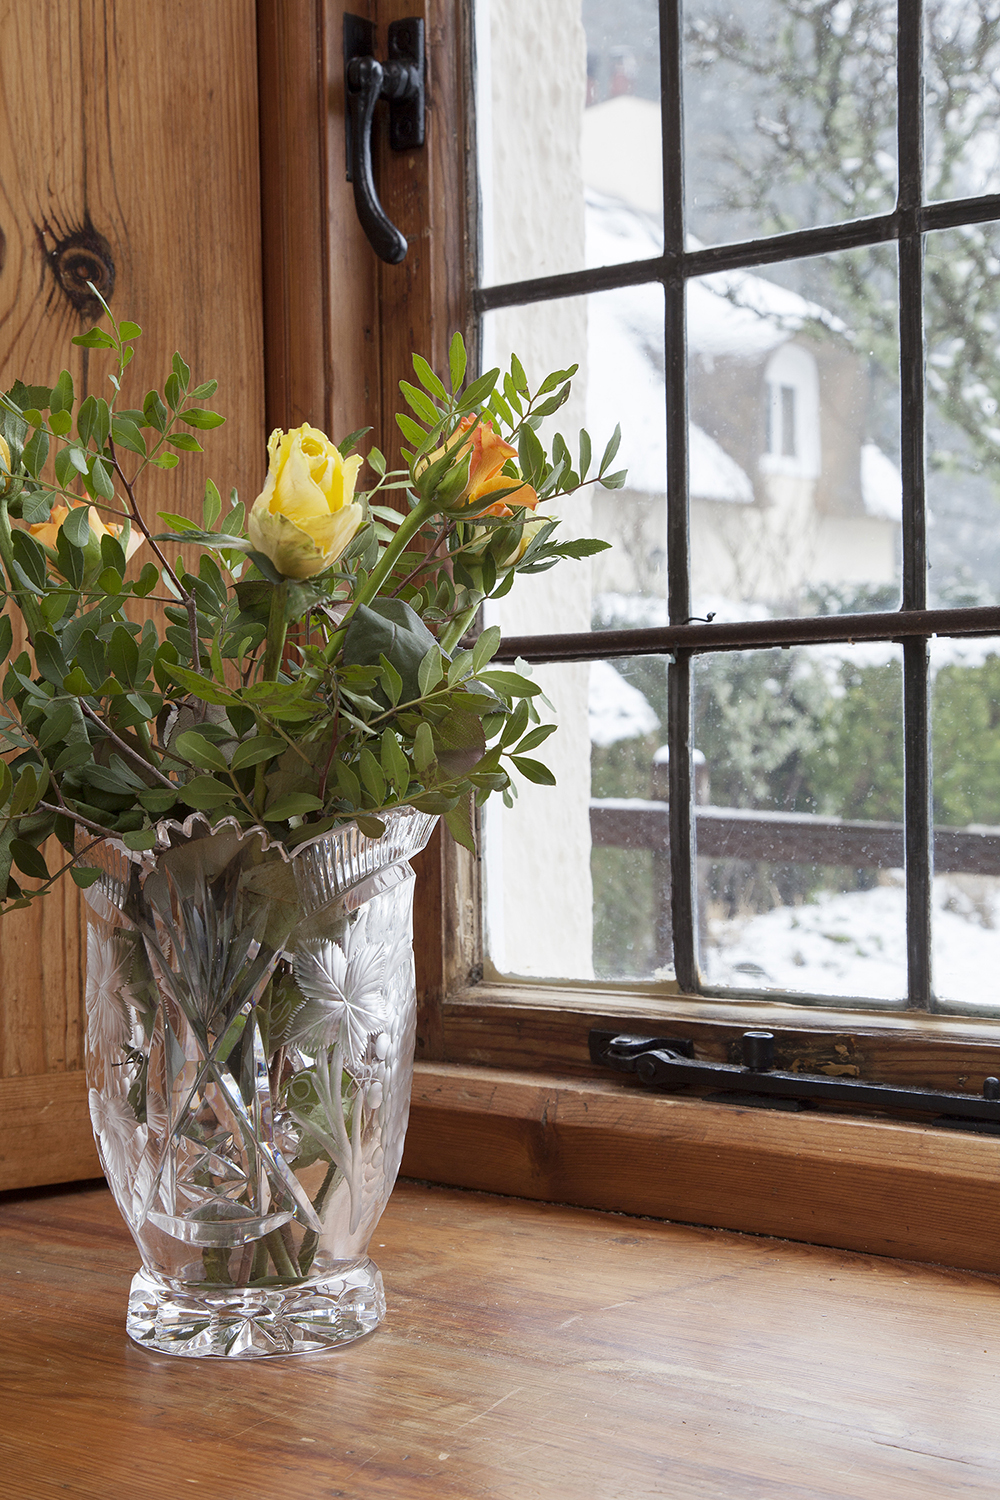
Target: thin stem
<point>310,1241</point>
<point>329,759</point>
<point>449,638</point>
<point>125,747</point>
<point>412,523</point>
<point>136,516</point>
<point>445,532</point>
<point>187,598</point>
<point>277,631</point>
<point>68,812</point>
<point>279,1254</point>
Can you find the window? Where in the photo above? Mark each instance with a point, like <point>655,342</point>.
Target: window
<point>758,283</point>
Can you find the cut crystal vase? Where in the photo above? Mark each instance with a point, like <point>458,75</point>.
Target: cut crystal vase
<point>250,1037</point>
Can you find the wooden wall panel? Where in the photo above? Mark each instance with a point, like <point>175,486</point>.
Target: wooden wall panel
<point>133,124</point>
<point>320,274</point>
<point>903,1190</point>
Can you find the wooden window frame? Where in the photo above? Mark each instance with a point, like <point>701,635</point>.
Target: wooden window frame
<point>506,1098</point>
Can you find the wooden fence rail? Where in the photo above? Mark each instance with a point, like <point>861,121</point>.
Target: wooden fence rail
<point>789,838</point>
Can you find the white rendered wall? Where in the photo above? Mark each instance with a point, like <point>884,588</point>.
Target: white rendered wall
<point>539,897</point>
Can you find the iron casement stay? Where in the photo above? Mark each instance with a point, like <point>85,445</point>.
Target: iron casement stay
<point>667,1064</point>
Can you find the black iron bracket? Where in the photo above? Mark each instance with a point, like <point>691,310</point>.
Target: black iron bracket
<point>401,81</point>
<point>666,1064</point>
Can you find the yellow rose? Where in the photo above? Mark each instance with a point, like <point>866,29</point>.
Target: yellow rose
<point>305,515</point>
<point>528,534</point>
<point>4,466</point>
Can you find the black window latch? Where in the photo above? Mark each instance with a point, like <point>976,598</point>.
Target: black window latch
<point>401,81</point>
<point>667,1063</point>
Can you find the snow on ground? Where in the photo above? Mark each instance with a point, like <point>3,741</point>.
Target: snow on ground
<point>853,944</point>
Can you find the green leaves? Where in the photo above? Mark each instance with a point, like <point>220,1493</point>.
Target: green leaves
<point>200,751</point>
<point>457,360</point>
<point>205,793</point>
<point>390,628</point>
<point>294,805</point>
<point>253,752</point>
<point>94,338</point>
<point>372,701</point>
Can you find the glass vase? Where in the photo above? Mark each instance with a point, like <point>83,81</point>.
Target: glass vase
<point>250,1037</point>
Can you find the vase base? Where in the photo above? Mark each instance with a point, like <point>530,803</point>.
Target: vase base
<point>255,1322</point>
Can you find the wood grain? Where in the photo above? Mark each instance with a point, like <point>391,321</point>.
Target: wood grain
<point>422,302</point>
<point>320,305</point>
<point>45,1131</point>
<point>870,1185</point>
<point>545,1029</point>
<point>530,1353</point>
<point>140,120</point>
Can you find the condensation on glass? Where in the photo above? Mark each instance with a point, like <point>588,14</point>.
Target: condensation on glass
<point>765,149</point>
<point>793,459</point>
<point>965,717</point>
<point>799,821</point>
<point>962,376</point>
<point>596,844</point>
<point>568,135</point>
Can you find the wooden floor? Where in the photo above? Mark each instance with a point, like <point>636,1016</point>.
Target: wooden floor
<point>529,1351</point>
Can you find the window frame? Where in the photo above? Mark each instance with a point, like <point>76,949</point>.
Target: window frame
<point>913,623</point>
<point>505,1097</point>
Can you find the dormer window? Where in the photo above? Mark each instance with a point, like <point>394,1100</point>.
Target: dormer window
<point>780,420</point>
<point>791,413</point>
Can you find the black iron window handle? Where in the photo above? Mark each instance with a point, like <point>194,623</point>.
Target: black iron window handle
<point>400,80</point>
<point>666,1063</point>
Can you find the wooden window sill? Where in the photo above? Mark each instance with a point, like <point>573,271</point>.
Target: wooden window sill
<point>529,1350</point>
<point>871,1185</point>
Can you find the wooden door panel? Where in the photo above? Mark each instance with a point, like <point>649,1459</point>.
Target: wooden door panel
<point>204,141</point>
<point>133,125</point>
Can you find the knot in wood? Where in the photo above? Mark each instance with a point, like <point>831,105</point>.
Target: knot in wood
<point>78,256</point>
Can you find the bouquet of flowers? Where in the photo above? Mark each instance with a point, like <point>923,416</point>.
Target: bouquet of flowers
<point>314,669</point>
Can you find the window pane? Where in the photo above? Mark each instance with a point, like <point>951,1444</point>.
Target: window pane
<point>799,821</point>
<point>794,477</point>
<point>577,875</point>
<point>962,322</point>
<point>789,114</point>
<point>568,132</point>
<point>966,909</point>
<point>617,338</point>
<point>961,99</point>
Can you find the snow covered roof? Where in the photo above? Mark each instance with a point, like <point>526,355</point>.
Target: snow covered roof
<point>740,314</point>
<point>620,143</point>
<point>618,711</point>
<point>732,313</point>
<point>712,474</point>
<point>881,484</point>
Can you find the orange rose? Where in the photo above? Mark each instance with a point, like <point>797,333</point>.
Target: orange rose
<point>47,532</point>
<point>487,453</point>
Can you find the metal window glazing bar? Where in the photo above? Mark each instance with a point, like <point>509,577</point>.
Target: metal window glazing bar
<point>682,883</point>
<point>741,255</point>
<point>751,635</point>
<point>916,728</point>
